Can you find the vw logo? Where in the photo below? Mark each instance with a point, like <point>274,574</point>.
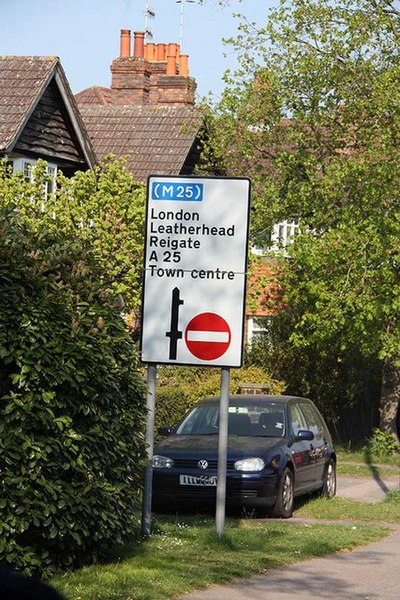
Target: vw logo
<point>202,464</point>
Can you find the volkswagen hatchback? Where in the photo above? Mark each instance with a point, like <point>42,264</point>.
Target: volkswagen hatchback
<point>279,447</point>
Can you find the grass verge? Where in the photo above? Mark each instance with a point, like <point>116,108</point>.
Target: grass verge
<point>361,470</point>
<point>387,511</point>
<point>187,554</point>
<point>363,463</point>
<point>365,457</point>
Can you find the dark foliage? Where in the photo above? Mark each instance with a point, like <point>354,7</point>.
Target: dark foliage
<point>71,405</point>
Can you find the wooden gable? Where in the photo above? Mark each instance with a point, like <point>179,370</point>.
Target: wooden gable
<point>49,132</point>
<point>39,117</point>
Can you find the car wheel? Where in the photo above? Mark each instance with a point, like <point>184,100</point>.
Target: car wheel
<point>283,507</point>
<point>329,482</point>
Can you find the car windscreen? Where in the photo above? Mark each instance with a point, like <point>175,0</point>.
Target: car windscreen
<point>249,419</point>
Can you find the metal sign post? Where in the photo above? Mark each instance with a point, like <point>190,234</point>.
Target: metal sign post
<point>194,291</point>
<point>148,477</point>
<point>222,452</point>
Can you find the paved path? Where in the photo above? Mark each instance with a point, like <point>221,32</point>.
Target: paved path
<point>369,573</point>
<point>373,489</point>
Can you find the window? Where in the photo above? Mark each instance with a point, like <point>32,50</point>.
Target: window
<point>258,328</point>
<point>27,169</point>
<point>9,166</point>
<point>202,420</point>
<point>27,166</point>
<point>314,422</point>
<point>51,183</point>
<point>298,421</point>
<point>283,234</point>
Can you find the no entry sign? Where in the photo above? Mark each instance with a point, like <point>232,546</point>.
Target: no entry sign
<point>208,336</point>
<point>195,270</point>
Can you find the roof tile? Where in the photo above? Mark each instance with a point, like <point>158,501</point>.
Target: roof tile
<point>154,138</point>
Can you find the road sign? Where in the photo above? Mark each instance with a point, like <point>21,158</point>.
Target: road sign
<point>208,336</point>
<point>195,265</point>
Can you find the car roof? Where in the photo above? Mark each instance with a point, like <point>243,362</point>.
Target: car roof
<point>259,398</point>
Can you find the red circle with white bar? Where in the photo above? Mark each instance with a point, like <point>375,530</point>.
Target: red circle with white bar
<point>208,336</point>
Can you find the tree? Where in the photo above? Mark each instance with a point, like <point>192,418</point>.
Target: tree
<point>103,207</point>
<point>71,395</point>
<point>313,116</point>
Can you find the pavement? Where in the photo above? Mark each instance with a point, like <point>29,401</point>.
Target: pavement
<point>372,489</point>
<point>368,573</point>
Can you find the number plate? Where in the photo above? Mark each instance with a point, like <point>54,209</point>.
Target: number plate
<point>203,480</point>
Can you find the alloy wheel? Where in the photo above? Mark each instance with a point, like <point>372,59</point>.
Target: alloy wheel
<point>287,492</point>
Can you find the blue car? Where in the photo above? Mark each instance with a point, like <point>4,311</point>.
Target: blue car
<point>279,447</point>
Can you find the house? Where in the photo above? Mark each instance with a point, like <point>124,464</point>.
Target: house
<point>39,117</point>
<point>148,115</point>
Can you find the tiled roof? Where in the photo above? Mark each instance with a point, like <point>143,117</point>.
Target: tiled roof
<point>94,95</point>
<point>154,138</point>
<point>22,80</point>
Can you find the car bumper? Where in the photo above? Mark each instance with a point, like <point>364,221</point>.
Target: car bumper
<point>247,490</point>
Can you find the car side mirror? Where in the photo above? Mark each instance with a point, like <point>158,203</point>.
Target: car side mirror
<point>165,430</point>
<point>304,434</point>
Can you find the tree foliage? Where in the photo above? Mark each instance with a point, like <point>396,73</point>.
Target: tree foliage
<point>103,207</point>
<point>345,384</point>
<point>71,397</point>
<point>313,116</point>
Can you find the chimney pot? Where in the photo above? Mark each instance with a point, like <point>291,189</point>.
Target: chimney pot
<point>173,50</point>
<point>138,45</point>
<point>184,65</point>
<point>125,43</point>
<point>160,52</point>
<point>171,64</point>
<point>150,51</point>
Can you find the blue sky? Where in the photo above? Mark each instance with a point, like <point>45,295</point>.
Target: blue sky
<point>85,34</point>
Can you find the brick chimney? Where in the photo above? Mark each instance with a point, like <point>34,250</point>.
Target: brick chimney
<point>155,74</point>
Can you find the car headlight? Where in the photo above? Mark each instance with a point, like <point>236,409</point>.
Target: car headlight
<point>162,462</point>
<point>250,464</point>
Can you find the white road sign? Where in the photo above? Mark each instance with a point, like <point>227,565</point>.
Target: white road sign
<point>195,270</point>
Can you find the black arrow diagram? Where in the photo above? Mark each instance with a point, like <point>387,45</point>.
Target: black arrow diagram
<point>174,334</point>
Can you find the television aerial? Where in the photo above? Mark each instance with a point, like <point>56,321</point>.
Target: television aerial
<point>182,3</point>
<point>149,13</point>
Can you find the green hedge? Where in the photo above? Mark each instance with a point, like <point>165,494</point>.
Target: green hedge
<point>171,404</point>
<point>71,405</point>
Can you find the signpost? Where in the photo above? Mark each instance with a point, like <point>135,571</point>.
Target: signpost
<point>194,288</point>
